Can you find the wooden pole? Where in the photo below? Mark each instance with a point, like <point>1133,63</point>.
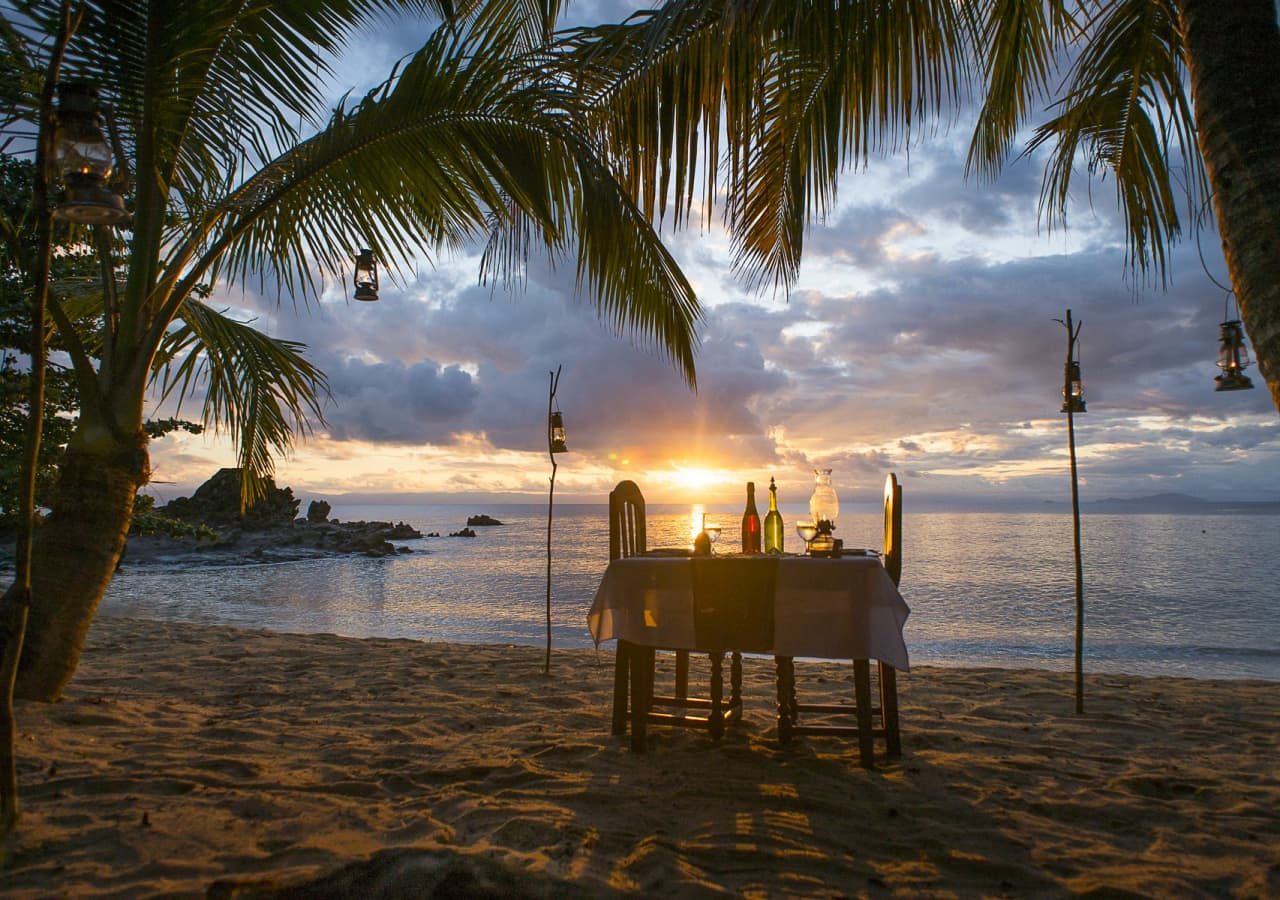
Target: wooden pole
<point>551,499</point>
<point>1068,372</point>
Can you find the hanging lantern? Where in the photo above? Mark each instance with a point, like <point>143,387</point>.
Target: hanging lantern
<point>1073,390</point>
<point>1233,358</point>
<point>83,159</point>
<point>366,277</point>
<point>556,426</point>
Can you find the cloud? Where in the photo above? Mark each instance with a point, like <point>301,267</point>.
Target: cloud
<point>421,403</point>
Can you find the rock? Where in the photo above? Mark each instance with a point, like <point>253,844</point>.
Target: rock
<point>217,503</point>
<point>466,532</point>
<point>308,540</point>
<point>318,511</point>
<point>482,520</point>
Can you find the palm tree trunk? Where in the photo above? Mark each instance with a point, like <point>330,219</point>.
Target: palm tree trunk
<point>75,556</point>
<point>1232,51</point>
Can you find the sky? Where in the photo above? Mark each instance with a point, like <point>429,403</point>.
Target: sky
<point>920,339</point>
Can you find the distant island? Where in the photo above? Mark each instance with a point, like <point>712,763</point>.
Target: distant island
<point>1175,503</point>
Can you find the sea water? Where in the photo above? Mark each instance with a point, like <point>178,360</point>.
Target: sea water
<point>1163,594</point>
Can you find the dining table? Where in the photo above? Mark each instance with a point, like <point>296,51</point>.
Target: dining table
<point>788,606</point>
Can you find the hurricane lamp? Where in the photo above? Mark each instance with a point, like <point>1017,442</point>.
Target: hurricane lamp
<point>83,161</point>
<point>824,505</point>
<point>1073,390</point>
<point>1233,358</point>
<point>366,277</point>
<point>556,426</point>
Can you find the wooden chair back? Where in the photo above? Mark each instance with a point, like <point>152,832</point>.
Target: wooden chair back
<point>626,521</point>
<point>893,527</point>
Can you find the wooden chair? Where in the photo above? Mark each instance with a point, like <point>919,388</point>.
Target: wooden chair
<point>634,665</point>
<point>863,710</point>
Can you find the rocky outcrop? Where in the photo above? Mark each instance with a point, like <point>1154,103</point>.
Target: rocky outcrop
<point>216,503</point>
<point>481,520</point>
<point>299,539</point>
<point>269,531</point>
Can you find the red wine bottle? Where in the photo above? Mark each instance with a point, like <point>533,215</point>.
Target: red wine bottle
<point>751,522</point>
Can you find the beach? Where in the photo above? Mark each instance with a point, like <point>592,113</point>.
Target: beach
<point>185,756</point>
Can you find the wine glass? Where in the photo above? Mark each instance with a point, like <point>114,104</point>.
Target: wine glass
<point>807,531</point>
<point>713,533</point>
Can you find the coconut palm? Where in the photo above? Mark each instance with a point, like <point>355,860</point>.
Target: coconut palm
<point>213,102</point>
<point>1176,100</point>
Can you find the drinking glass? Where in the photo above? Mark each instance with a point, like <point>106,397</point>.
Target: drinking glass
<point>713,533</point>
<point>807,532</point>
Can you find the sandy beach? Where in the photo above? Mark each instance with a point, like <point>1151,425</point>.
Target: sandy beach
<point>187,756</point>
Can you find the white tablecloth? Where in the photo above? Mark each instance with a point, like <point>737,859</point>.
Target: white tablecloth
<point>844,608</point>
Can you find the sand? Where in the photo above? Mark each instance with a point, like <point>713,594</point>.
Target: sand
<point>186,755</point>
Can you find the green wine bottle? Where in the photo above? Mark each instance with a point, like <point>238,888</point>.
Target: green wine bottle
<point>773,529</point>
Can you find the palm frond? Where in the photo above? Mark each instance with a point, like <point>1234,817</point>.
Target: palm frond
<point>468,134</point>
<point>1127,113</point>
<point>535,19</point>
<point>1019,41</point>
<point>855,81</point>
<point>259,389</point>
<point>799,91</point>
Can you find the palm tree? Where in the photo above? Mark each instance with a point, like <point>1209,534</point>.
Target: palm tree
<point>211,101</point>
<point>1177,100</point>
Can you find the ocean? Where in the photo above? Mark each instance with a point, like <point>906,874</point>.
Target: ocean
<point>1183,595</point>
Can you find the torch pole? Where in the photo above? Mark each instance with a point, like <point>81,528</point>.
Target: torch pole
<point>551,499</point>
<point>1072,335</point>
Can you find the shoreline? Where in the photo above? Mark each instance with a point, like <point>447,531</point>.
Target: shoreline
<point>183,755</point>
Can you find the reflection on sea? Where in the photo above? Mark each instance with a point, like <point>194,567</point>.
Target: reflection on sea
<point>1173,595</point>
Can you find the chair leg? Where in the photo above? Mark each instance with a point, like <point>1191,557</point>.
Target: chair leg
<point>735,679</point>
<point>889,708</point>
<point>621,683</point>
<point>862,697</point>
<point>715,721</point>
<point>641,694</point>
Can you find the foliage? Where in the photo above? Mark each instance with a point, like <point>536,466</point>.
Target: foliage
<point>74,276</point>
<point>70,262</point>
<point>148,520</point>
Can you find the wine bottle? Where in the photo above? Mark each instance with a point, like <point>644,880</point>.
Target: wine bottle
<point>773,529</point>
<point>751,522</point>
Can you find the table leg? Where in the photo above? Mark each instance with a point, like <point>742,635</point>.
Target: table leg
<point>785,679</point>
<point>735,679</point>
<point>621,678</point>
<point>793,707</point>
<point>715,721</point>
<point>862,696</point>
<point>641,694</point>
